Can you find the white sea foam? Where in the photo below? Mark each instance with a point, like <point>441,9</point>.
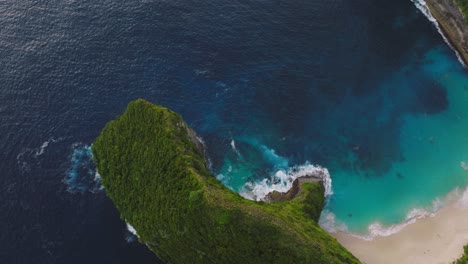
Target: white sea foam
<point>97,180</point>
<point>132,234</point>
<point>377,229</point>
<point>233,145</point>
<point>44,145</point>
<point>132,230</point>
<point>422,6</point>
<point>463,200</point>
<point>282,180</point>
<point>464,165</point>
<point>234,148</point>
<point>329,222</point>
<point>31,156</point>
<point>82,175</point>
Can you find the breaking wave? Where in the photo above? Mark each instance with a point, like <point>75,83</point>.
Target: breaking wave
<point>422,6</point>
<point>132,234</point>
<point>330,223</point>
<point>282,180</point>
<point>82,175</point>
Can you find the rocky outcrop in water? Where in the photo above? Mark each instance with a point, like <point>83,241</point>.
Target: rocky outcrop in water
<point>276,196</point>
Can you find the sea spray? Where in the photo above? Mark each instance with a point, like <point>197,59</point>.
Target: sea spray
<point>132,233</point>
<point>282,180</point>
<point>82,175</point>
<point>422,6</point>
<point>233,145</point>
<point>234,148</point>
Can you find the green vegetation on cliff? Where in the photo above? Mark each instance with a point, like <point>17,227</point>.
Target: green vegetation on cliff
<point>158,179</point>
<point>463,259</point>
<point>463,5</point>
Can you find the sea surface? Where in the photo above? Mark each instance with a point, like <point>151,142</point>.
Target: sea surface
<point>366,89</point>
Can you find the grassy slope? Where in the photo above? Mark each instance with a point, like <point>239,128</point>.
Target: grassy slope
<point>158,180</point>
<point>463,4</point>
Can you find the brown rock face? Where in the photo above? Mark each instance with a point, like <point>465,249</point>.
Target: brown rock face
<point>276,196</point>
<point>453,24</point>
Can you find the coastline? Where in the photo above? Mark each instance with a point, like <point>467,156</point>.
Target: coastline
<point>436,239</point>
<point>451,21</point>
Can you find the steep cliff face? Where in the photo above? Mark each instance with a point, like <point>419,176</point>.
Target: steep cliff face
<point>156,175</point>
<point>451,19</point>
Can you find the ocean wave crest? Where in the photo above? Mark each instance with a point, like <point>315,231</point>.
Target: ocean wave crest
<point>378,229</point>
<point>282,180</point>
<point>132,234</point>
<point>329,222</point>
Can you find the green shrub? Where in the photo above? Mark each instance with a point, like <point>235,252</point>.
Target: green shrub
<point>463,259</point>
<point>463,5</point>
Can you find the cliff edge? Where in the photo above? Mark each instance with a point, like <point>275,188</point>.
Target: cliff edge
<point>451,18</point>
<point>154,171</point>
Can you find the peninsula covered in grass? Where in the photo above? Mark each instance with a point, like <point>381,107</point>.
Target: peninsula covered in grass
<point>154,171</point>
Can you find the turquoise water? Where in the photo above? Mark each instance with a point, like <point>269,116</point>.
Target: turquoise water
<point>365,88</point>
<point>433,148</point>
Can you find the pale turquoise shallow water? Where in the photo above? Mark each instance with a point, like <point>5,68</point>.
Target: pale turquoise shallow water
<point>433,150</point>
<point>345,84</point>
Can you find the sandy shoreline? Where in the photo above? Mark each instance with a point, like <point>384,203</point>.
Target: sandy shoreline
<point>438,239</point>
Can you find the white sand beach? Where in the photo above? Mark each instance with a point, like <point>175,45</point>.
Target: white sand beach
<point>438,239</point>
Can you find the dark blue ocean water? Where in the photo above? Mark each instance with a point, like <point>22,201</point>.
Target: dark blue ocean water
<point>329,82</point>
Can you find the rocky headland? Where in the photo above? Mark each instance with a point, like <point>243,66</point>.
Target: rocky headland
<point>153,169</point>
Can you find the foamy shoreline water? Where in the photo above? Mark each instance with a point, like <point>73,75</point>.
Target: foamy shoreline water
<point>376,229</point>
<point>437,237</point>
<point>283,179</point>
